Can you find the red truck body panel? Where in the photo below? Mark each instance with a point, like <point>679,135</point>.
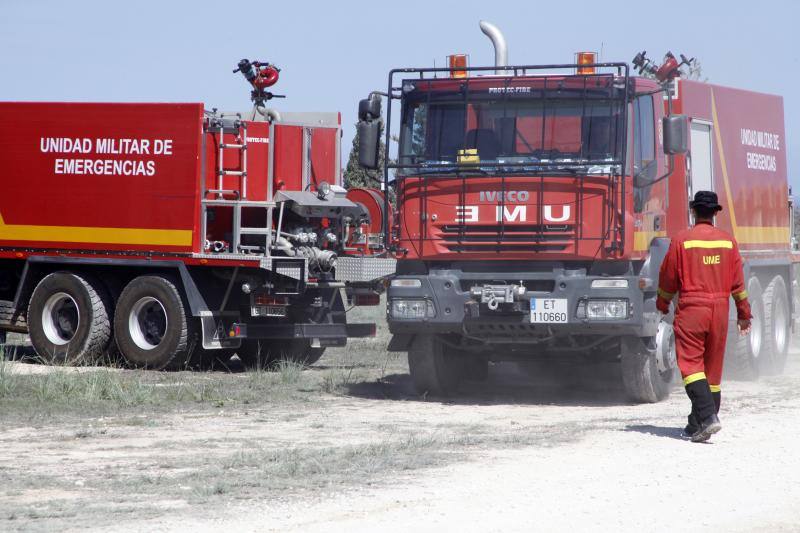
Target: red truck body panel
<point>533,226</point>
<point>110,178</point>
<point>100,176</point>
<point>749,164</point>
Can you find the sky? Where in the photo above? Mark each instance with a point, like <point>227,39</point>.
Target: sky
<point>333,53</point>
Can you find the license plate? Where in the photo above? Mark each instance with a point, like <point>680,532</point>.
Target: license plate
<point>549,311</point>
<point>268,310</point>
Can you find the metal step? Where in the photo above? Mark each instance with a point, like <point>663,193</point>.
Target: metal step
<point>223,191</point>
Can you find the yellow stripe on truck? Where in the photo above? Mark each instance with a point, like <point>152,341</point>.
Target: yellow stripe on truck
<point>762,234</point>
<point>642,239</point>
<point>78,234</point>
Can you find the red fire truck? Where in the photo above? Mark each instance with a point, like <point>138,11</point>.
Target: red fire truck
<point>535,205</point>
<point>174,235</point>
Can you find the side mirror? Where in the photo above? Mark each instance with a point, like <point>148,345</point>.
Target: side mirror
<point>369,130</point>
<point>369,108</point>
<point>368,142</point>
<point>676,134</point>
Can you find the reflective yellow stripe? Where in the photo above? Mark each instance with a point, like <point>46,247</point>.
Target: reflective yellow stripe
<point>96,235</point>
<point>708,244</point>
<point>762,234</point>
<point>739,296</point>
<point>664,294</point>
<point>715,388</point>
<point>691,378</point>
<point>642,239</point>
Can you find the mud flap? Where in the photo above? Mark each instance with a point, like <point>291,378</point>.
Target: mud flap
<point>215,328</point>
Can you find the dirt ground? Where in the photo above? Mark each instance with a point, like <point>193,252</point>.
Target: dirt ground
<point>347,446</point>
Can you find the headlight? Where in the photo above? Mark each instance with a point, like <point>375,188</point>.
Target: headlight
<point>603,309</point>
<point>610,284</point>
<point>412,309</point>
<point>406,283</point>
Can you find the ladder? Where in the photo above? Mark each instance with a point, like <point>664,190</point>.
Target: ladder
<point>235,198</point>
<point>241,172</point>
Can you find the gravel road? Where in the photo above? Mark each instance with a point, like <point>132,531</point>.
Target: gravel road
<point>606,466</point>
<point>561,452</point>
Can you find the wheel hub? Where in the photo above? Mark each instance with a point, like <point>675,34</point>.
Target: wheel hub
<point>60,318</point>
<point>781,325</point>
<point>147,323</point>
<point>666,358</point>
<point>756,332</point>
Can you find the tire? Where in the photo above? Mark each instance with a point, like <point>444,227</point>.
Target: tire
<point>266,355</point>
<point>744,352</point>
<point>777,326</point>
<point>69,319</point>
<point>641,377</point>
<point>150,325</point>
<point>11,319</point>
<point>434,370</point>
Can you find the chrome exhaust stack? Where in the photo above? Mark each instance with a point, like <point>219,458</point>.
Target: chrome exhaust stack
<point>499,43</point>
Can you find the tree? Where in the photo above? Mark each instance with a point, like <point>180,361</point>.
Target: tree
<point>357,176</point>
<point>696,71</point>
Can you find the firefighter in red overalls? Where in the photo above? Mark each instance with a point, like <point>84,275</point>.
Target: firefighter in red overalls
<point>704,268</point>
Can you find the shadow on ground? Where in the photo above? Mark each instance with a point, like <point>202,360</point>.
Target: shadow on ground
<point>657,431</point>
<point>591,385</point>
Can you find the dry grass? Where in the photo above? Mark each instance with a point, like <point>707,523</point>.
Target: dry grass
<point>96,391</point>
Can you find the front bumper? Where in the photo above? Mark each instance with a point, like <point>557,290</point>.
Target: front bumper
<point>457,310</point>
<point>324,334</point>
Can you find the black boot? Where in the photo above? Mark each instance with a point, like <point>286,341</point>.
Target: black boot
<point>703,408</point>
<point>692,426</point>
<point>708,427</point>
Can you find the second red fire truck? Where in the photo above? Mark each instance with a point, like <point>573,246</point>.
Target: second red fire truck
<point>535,204</point>
<point>173,235</point>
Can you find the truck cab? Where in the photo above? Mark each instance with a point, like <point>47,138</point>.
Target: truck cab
<point>534,209</point>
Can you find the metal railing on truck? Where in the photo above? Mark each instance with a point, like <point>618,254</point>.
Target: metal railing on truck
<point>546,171</point>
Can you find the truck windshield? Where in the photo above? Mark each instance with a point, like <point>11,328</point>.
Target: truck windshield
<point>513,128</point>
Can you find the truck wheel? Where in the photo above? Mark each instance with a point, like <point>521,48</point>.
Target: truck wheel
<point>642,378</point>
<point>745,352</point>
<point>13,319</point>
<point>776,327</point>
<point>69,319</point>
<point>434,370</point>
<point>266,354</point>
<point>150,325</point>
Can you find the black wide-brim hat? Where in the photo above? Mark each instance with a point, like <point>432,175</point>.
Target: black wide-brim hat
<point>707,199</point>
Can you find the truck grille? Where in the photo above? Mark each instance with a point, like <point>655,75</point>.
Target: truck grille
<point>511,238</point>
